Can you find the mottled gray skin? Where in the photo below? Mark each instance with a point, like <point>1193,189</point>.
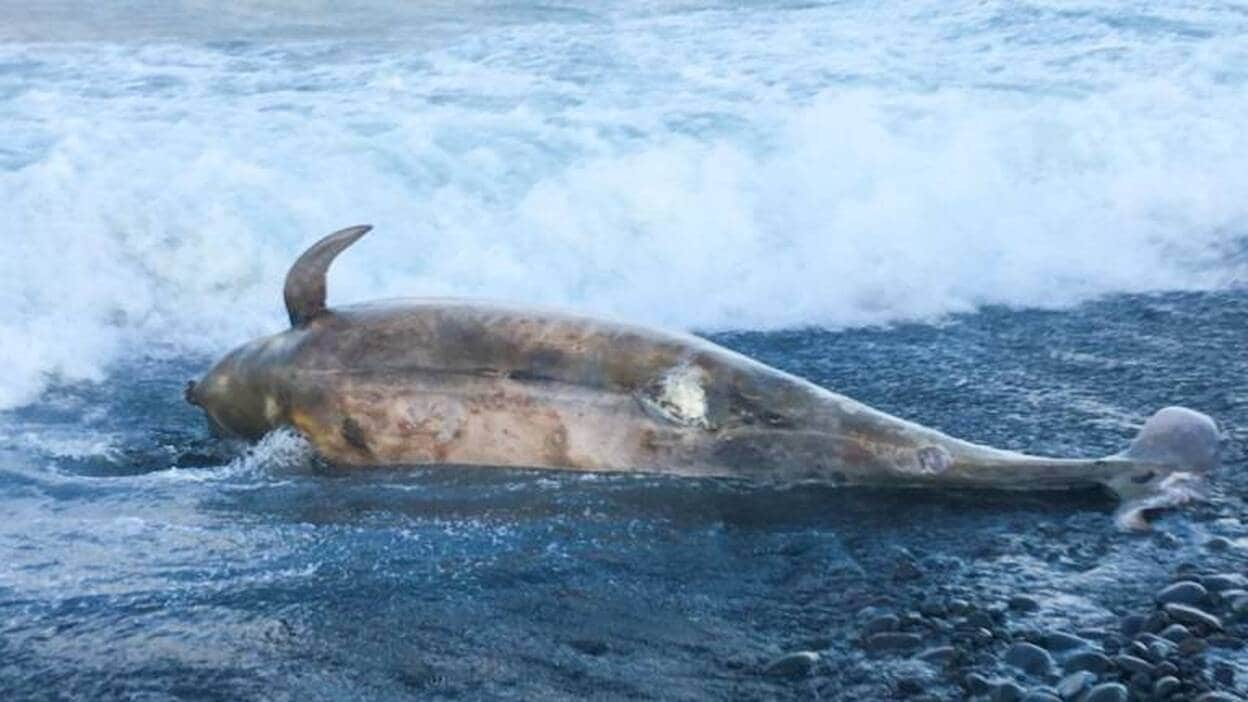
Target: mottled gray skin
<point>439,381</point>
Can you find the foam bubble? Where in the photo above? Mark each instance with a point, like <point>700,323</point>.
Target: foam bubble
<point>728,168</point>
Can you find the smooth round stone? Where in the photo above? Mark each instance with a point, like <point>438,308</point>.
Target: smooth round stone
<point>1040,696</point>
<point>1176,633</point>
<point>1218,543</point>
<point>1224,581</point>
<point>1183,592</point>
<point>884,622</point>
<point>1023,603</point>
<point>892,641</point>
<point>1156,622</point>
<point>1186,614</point>
<point>976,684</point>
<point>1029,658</point>
<point>1061,641</point>
<point>932,608</point>
<point>1106,692</point>
<point>1225,641</point>
<point>1070,686</point>
<point>1193,646</point>
<point>793,665</point>
<point>1164,687</point>
<point>1092,661</point>
<point>1135,665</point>
<point>939,655</point>
<point>1132,623</point>
<point>1008,691</point>
<point>1219,697</point>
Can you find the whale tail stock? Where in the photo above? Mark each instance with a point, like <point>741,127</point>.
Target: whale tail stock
<point>1170,455</point>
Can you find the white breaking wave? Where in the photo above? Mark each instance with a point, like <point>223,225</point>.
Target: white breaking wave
<point>696,167</point>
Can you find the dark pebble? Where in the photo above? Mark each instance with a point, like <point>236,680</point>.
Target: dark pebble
<point>1225,641</point>
<point>1183,592</point>
<point>909,686</point>
<point>1029,658</point>
<point>1176,633</point>
<point>1092,661</point>
<point>1134,665</point>
<point>1106,692</point>
<point>980,619</point>
<point>1023,603</point>
<point>939,655</point>
<point>932,608</point>
<point>976,684</point>
<point>892,641</point>
<point>1156,622</point>
<point>1224,674</point>
<point>1070,686</point>
<point>1060,641</point>
<point>1132,623</point>
<point>907,570</point>
<point>793,665</point>
<point>884,622</point>
<point>959,607</point>
<point>1164,687</point>
<point>1008,691</point>
<point>1219,697</point>
<point>1040,695</point>
<point>1191,615</point>
<point>1218,543</point>
<point>1193,646</point>
<point>1167,668</point>
<point>1224,581</point>
<point>592,647</point>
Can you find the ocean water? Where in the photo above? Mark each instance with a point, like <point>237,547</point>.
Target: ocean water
<point>1023,223</point>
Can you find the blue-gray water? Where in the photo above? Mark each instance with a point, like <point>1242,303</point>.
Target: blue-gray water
<point>1022,223</point>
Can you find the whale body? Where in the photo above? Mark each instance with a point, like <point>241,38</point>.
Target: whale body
<point>464,383</point>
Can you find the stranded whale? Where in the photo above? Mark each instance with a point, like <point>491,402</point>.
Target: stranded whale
<point>444,381</point>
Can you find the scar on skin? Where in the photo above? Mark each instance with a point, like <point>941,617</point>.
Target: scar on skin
<point>933,460</point>
<point>354,434</point>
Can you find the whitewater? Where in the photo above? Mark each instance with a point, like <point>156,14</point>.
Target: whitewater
<point>710,166</point>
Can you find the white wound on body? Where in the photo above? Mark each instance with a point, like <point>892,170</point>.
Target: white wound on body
<point>679,397</point>
<point>932,460</point>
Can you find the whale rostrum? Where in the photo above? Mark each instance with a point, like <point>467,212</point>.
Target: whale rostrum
<point>460,383</point>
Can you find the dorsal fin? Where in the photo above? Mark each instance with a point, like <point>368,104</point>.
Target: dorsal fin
<point>305,283</point>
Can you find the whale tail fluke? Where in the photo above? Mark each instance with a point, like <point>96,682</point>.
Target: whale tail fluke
<point>1173,451</point>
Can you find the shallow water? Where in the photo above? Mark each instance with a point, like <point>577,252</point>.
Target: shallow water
<point>1023,224</point>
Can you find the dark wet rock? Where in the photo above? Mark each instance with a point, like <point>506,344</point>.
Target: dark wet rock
<point>1091,661</point>
<point>1061,641</point>
<point>909,686</point>
<point>1106,692</point>
<point>906,570</point>
<point>1156,622</point>
<point>1133,623</point>
<point>1023,603</point>
<point>1224,674</point>
<point>959,607</point>
<point>976,684</point>
<point>591,647</point>
<point>793,665</point>
<point>1225,641</point>
<point>1193,646</point>
<point>1139,647</point>
<point>1029,658</point>
<point>932,608</point>
<point>1041,695</point>
<point>820,643</point>
<point>1215,696</point>
<point>939,655</point>
<point>1176,633</point>
<point>1141,681</point>
<point>1134,665</point>
<point>1165,687</point>
<point>1165,668</point>
<point>1007,691</point>
<point>1070,686</point>
<point>1187,614</point>
<point>884,622</point>
<point>892,641</point>
<point>1218,543</point>
<point>1219,582</point>
<point>1183,592</point>
<point>980,619</point>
